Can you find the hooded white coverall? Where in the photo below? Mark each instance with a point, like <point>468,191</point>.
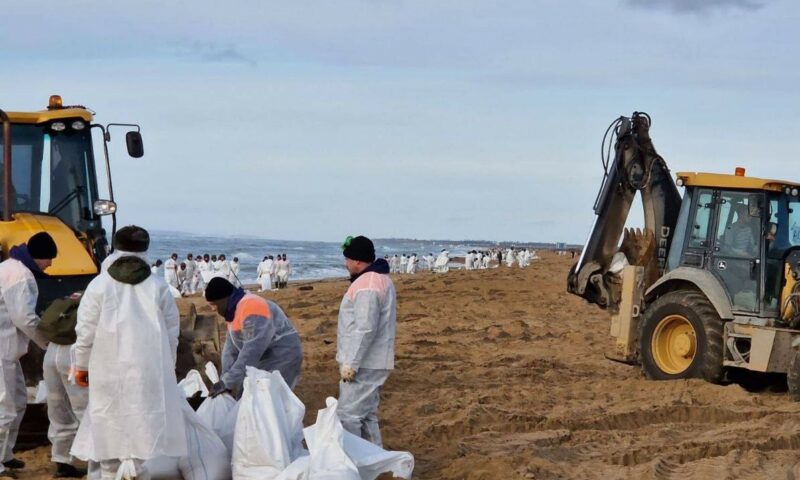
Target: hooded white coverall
<point>233,277</point>
<point>127,340</point>
<point>66,401</point>
<point>190,287</point>
<point>171,272</point>
<point>18,322</point>
<point>263,277</point>
<point>223,269</point>
<point>365,342</point>
<point>283,271</point>
<point>412,265</point>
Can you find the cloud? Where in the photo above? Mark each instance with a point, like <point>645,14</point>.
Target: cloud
<point>696,6</point>
<point>214,53</point>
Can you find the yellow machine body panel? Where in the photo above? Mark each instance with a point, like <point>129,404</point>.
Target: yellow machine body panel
<point>73,257</point>
<point>787,307</point>
<point>43,116</point>
<point>719,180</point>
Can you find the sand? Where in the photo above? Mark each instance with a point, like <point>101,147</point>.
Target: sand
<point>501,375</point>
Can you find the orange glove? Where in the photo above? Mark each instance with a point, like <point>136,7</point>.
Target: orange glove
<point>82,378</point>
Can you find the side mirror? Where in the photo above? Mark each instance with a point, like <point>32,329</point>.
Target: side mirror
<point>134,142</point>
<point>105,207</point>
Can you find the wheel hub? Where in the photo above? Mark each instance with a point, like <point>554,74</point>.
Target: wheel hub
<point>674,344</point>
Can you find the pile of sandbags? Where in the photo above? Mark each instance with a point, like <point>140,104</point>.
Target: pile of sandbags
<point>261,437</point>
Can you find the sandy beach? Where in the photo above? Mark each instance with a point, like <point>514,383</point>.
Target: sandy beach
<point>501,374</point>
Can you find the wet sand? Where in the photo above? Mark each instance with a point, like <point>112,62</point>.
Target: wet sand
<point>500,375</point>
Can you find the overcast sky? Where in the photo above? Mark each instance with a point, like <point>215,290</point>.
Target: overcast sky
<point>312,120</point>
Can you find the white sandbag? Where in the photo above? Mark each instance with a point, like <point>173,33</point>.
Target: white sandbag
<point>192,384</point>
<point>269,427</point>
<point>219,412</point>
<point>372,460</point>
<point>297,470</point>
<point>327,441</point>
<point>208,459</point>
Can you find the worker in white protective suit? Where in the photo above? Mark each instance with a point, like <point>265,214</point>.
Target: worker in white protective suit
<point>235,269</point>
<point>284,269</point>
<point>66,401</point>
<point>259,335</point>
<point>263,276</point>
<point>155,266</point>
<point>204,270</point>
<point>18,325</point>
<point>190,287</point>
<point>365,338</point>
<point>412,264</point>
<point>441,264</point>
<point>510,257</point>
<point>403,263</point>
<point>171,271</point>
<point>468,260</point>
<point>223,268</point>
<point>127,338</point>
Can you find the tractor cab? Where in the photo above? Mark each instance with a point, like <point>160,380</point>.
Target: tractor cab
<point>741,230</point>
<point>48,182</point>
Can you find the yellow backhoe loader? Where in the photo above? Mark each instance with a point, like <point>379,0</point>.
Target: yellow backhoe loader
<point>49,183</point>
<point>710,285</point>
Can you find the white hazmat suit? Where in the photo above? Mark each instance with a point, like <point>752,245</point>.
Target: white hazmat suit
<point>365,343</point>
<point>18,322</point>
<point>127,331</point>
<point>66,401</point>
<point>171,272</point>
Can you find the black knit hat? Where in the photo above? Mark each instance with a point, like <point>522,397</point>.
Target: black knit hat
<point>218,288</point>
<point>41,246</point>
<point>132,239</point>
<point>359,248</point>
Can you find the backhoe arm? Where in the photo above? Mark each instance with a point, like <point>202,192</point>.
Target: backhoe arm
<point>636,167</point>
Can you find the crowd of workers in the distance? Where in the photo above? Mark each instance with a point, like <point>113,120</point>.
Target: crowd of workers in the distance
<point>473,260</point>
<point>113,398</point>
<point>190,276</point>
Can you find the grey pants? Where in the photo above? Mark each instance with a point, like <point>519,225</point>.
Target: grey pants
<point>358,404</point>
<point>13,400</point>
<point>66,402</point>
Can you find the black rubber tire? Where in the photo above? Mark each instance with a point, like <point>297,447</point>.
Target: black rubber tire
<point>708,327</point>
<point>793,376</point>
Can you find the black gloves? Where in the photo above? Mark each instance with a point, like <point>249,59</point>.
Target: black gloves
<point>218,389</point>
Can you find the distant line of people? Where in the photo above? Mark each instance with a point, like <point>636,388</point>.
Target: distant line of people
<point>190,276</point>
<point>473,260</point>
<point>273,272</point>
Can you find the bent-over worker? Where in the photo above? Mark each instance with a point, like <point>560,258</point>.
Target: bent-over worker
<point>259,335</point>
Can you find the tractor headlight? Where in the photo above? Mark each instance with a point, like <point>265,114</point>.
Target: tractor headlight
<point>104,207</point>
<point>78,125</point>
<point>679,182</point>
<point>795,191</point>
<point>58,126</point>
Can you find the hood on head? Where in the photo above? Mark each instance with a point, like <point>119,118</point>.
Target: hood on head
<point>129,269</point>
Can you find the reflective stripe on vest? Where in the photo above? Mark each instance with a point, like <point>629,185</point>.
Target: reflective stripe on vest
<point>249,305</point>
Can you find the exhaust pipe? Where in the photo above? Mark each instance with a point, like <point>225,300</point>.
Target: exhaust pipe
<point>6,166</point>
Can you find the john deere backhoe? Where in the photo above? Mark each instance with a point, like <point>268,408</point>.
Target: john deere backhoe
<point>711,282</point>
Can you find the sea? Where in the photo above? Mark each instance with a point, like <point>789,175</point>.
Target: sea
<point>310,260</point>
